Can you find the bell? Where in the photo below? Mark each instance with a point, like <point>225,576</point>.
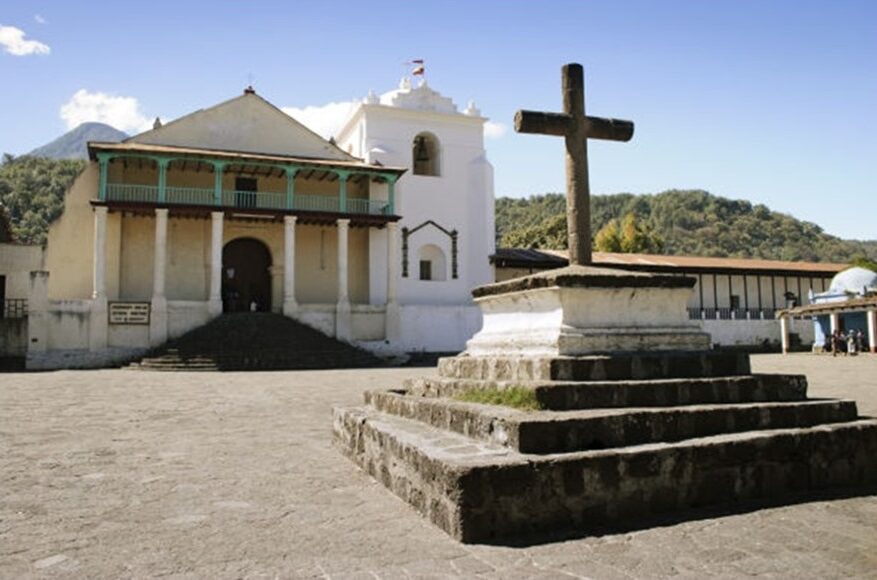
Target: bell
<point>420,153</point>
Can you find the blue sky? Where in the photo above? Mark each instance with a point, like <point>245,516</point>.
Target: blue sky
<point>769,101</point>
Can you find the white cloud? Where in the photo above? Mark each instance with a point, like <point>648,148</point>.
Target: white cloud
<point>325,120</point>
<point>12,40</point>
<point>39,19</point>
<point>494,130</point>
<point>123,113</point>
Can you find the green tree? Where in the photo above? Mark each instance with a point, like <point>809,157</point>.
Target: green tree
<point>608,239</point>
<point>32,192</point>
<point>863,262</point>
<point>629,236</point>
<point>549,234</point>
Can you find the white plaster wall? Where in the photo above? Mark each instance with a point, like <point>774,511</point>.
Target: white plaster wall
<point>68,324</point>
<point>431,328</point>
<point>368,323</point>
<point>128,335</point>
<point>460,198</point>
<point>185,315</point>
<point>16,263</point>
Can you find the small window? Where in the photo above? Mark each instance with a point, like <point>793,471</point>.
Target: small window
<point>425,270</point>
<point>425,155</point>
<point>432,262</point>
<point>245,189</point>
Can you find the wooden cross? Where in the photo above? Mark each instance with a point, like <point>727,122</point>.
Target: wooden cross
<point>577,128</point>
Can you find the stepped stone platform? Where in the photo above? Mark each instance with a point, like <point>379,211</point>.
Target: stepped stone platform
<point>635,417</point>
<point>254,341</point>
<point>605,451</point>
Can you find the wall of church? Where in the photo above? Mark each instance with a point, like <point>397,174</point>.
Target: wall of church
<point>432,328</point>
<point>187,274</point>
<point>316,264</point>
<point>137,256</point>
<point>460,198</point>
<point>70,247</point>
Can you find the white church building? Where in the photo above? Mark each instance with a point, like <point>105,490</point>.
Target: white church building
<point>376,237</point>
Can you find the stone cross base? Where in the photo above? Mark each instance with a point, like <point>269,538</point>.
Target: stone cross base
<point>582,310</point>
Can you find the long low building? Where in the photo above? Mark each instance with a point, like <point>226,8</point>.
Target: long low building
<point>736,299</point>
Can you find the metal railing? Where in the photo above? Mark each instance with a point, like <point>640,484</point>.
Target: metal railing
<point>127,192</point>
<point>14,308</point>
<point>731,314</point>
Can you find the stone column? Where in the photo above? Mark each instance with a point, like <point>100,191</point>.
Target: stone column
<point>214,305</point>
<point>343,330</point>
<point>98,325</point>
<point>784,333</point>
<point>834,319</point>
<point>393,320</point>
<point>290,307</point>
<point>158,310</point>
<point>872,329</point>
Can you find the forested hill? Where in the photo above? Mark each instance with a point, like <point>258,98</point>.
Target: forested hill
<point>32,193</point>
<point>689,222</point>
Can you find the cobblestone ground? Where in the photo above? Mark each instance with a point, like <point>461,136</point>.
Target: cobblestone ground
<point>135,474</point>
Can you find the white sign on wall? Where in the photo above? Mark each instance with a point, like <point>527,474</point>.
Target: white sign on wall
<point>129,312</point>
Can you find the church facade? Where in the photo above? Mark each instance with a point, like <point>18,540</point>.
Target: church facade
<point>376,237</point>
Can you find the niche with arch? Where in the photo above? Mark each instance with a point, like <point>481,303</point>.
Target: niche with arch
<point>425,155</point>
<point>432,265</point>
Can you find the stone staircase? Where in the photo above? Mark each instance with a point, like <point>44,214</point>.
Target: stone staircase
<point>254,341</point>
<point>618,438</point>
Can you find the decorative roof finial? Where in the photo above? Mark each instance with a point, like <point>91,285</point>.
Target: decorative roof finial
<point>249,90</point>
<point>372,99</point>
<point>157,123</point>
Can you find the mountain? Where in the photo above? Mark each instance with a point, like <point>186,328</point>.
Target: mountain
<point>689,222</point>
<point>72,145</point>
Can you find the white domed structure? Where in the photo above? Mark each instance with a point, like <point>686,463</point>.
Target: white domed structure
<point>853,281</point>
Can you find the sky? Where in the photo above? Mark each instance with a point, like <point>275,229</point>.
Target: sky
<point>771,101</point>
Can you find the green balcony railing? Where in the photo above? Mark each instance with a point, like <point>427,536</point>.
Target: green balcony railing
<point>126,192</point>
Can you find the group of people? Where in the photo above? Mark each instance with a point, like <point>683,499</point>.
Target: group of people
<point>850,343</point>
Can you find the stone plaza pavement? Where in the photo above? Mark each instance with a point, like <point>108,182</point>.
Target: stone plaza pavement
<point>107,474</point>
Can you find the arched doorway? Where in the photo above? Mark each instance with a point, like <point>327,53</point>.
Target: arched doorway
<point>246,276</point>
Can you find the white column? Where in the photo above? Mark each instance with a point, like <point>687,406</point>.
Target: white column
<point>99,283</point>
<point>872,329</point>
<point>343,330</point>
<point>98,327</point>
<point>289,304</point>
<point>784,333</point>
<point>214,306</point>
<point>393,319</point>
<point>834,318</point>
<point>38,314</point>
<point>158,311</point>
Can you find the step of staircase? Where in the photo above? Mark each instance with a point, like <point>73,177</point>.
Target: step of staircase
<point>487,493</point>
<point>568,395</point>
<point>254,341</point>
<point>544,432</point>
<point>647,365</point>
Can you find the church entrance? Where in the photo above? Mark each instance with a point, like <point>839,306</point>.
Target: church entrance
<point>246,276</point>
